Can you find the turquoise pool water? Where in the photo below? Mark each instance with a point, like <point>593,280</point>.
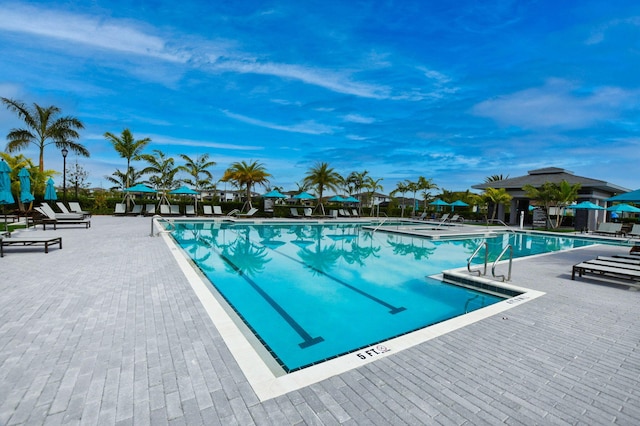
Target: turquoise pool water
<point>311,292</point>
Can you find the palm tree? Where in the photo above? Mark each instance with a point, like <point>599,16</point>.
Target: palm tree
<point>496,197</point>
<point>124,180</point>
<point>355,182</point>
<point>552,194</point>
<point>372,186</point>
<point>44,127</point>
<point>425,185</point>
<point>495,178</point>
<point>128,148</point>
<point>413,187</point>
<point>197,168</point>
<point>322,176</point>
<point>246,175</point>
<point>401,188</point>
<point>162,169</point>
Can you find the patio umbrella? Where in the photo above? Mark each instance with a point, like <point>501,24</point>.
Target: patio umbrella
<point>185,190</point>
<point>336,199</point>
<point>140,188</point>
<point>25,186</point>
<point>304,196</point>
<point>274,194</point>
<point>623,208</point>
<point>5,189</point>
<point>50,191</point>
<point>351,199</point>
<point>627,196</point>
<point>438,202</point>
<point>586,205</point>
<point>458,203</point>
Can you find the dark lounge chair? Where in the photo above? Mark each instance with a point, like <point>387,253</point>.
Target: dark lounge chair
<point>29,241</point>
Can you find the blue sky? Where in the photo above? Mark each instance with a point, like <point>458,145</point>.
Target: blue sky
<point>453,91</point>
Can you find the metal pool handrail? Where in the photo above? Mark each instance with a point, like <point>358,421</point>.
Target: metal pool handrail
<point>486,258</point>
<point>493,268</point>
<point>507,227</point>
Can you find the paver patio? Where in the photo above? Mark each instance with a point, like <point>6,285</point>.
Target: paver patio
<point>108,331</point>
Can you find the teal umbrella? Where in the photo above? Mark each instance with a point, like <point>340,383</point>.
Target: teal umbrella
<point>585,205</point>
<point>25,186</point>
<point>50,191</point>
<point>623,208</point>
<point>458,203</point>
<point>438,202</point>
<point>5,189</point>
<point>351,199</point>
<point>632,196</point>
<point>336,199</point>
<point>184,190</point>
<point>140,188</point>
<point>304,196</point>
<point>274,194</point>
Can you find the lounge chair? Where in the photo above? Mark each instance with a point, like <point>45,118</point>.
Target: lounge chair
<point>120,209</point>
<point>165,210</point>
<point>74,206</point>
<point>307,212</point>
<point>150,210</point>
<point>355,213</point>
<point>423,216</point>
<point>233,212</point>
<point>250,213</point>
<point>175,210</point>
<point>136,210</point>
<point>609,228</point>
<point>190,210</point>
<point>29,241</point>
<point>604,268</point>
<point>217,211</point>
<point>47,211</point>
<point>206,210</point>
<point>635,230</point>
<point>51,218</point>
<point>343,212</point>
<point>444,218</point>
<point>334,214</point>
<point>62,207</point>
<point>294,213</point>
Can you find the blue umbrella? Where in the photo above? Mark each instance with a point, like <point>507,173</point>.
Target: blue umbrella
<point>458,203</point>
<point>50,191</point>
<point>585,205</point>
<point>5,184</point>
<point>140,188</point>
<point>184,190</point>
<point>304,196</point>
<point>274,194</point>
<point>351,199</point>
<point>25,186</point>
<point>623,208</point>
<point>336,199</point>
<point>439,202</point>
<point>632,196</point>
<point>5,189</point>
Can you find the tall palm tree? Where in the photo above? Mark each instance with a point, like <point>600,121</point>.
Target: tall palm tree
<point>197,168</point>
<point>495,178</point>
<point>322,177</point>
<point>426,185</point>
<point>246,175</point>
<point>44,127</point>
<point>128,148</point>
<point>401,188</point>
<point>162,169</point>
<point>372,185</point>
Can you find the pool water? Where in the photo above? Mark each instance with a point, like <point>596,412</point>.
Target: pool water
<point>312,292</point>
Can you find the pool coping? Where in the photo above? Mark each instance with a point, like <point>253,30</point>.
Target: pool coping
<point>263,375</point>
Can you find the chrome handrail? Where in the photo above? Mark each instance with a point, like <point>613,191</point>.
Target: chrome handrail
<point>508,228</point>
<point>493,268</point>
<point>486,258</point>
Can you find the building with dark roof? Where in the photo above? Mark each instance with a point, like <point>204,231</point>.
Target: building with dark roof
<point>594,190</point>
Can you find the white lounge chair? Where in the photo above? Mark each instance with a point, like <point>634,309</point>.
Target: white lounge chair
<point>294,213</point>
<point>74,206</point>
<point>62,207</point>
<point>206,210</point>
<point>635,230</point>
<point>51,214</point>
<point>136,210</point>
<point>190,210</point>
<point>165,210</point>
<point>150,210</point>
<point>175,210</point>
<point>250,213</point>
<point>217,211</point>
<point>120,209</point>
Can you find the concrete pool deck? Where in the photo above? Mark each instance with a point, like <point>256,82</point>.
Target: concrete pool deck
<point>108,331</point>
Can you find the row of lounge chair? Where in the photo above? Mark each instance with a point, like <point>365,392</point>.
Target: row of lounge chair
<point>174,210</point>
<point>625,267</point>
<point>50,217</point>
<point>615,229</point>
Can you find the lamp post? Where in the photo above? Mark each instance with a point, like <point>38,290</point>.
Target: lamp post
<point>65,151</point>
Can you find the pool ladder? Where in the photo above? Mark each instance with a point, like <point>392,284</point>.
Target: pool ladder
<point>504,278</point>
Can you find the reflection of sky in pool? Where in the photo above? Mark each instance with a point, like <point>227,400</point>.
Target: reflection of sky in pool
<point>312,292</point>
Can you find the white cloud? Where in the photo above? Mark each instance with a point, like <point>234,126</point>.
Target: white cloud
<point>357,118</point>
<point>166,140</point>
<point>110,34</point>
<point>307,127</point>
<point>598,35</point>
<point>556,104</point>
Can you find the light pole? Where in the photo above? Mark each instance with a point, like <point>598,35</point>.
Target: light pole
<point>65,151</point>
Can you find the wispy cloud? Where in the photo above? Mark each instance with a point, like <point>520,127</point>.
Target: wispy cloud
<point>108,34</point>
<point>166,140</point>
<point>357,118</point>
<point>557,104</point>
<point>598,34</point>
<point>326,78</point>
<point>307,127</point>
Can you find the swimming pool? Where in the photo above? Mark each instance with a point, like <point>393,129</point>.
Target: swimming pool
<point>312,292</point>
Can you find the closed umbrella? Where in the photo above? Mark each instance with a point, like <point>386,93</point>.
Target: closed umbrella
<point>5,189</point>
<point>50,191</point>
<point>25,186</point>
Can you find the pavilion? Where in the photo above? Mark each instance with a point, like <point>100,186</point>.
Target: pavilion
<point>594,190</point>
